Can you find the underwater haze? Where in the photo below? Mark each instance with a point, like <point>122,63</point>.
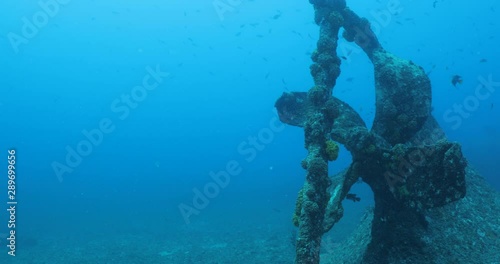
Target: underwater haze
<point>145,131</point>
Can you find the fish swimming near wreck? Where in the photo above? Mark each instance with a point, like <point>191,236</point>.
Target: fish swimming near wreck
<point>353,197</point>
<point>456,79</point>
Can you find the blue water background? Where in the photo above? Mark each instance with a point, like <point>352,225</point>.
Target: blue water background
<point>225,73</point>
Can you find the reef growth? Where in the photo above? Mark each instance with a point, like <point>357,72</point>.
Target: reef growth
<point>404,158</point>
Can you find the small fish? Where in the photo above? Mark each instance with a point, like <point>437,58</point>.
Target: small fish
<point>343,57</point>
<point>349,79</point>
<point>483,60</point>
<point>353,197</point>
<point>456,79</point>
<point>430,71</point>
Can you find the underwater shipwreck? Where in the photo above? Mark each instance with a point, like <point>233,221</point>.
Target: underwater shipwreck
<point>430,205</point>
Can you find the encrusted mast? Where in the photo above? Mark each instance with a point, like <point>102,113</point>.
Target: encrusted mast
<point>404,158</point>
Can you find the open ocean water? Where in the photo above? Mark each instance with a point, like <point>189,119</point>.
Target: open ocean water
<point>145,131</point>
